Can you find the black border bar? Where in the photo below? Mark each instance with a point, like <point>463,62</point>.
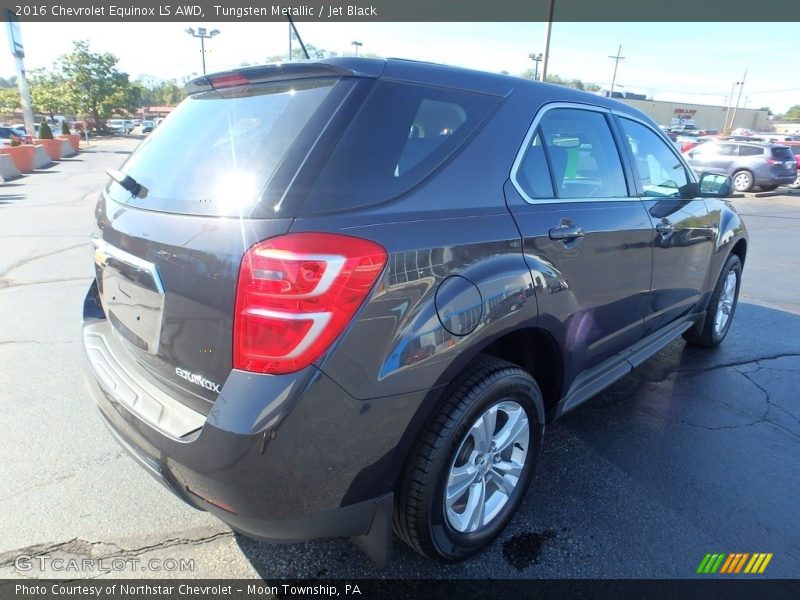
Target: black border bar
<point>541,589</point>
<point>142,11</point>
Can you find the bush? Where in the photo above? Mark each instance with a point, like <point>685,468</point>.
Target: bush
<point>45,133</point>
<point>65,128</point>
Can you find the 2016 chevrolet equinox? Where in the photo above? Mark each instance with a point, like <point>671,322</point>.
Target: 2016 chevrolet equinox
<point>343,297</point>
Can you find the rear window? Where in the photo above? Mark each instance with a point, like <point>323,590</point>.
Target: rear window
<point>218,151</point>
<point>782,153</point>
<point>398,137</point>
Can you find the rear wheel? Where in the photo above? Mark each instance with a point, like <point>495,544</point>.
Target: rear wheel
<point>471,468</point>
<point>742,181</point>
<point>721,307</point>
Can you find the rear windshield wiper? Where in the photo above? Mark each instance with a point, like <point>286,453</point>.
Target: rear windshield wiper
<point>128,183</point>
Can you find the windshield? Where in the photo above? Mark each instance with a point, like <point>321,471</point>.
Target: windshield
<point>218,150</point>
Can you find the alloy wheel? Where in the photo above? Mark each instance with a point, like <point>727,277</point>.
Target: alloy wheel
<point>487,467</point>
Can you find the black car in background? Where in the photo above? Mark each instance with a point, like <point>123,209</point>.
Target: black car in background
<point>346,297</point>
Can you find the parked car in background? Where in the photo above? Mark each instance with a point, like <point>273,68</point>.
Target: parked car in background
<point>121,126</point>
<point>687,142</point>
<point>748,164</point>
<point>6,131</point>
<point>146,126</point>
<point>403,273</point>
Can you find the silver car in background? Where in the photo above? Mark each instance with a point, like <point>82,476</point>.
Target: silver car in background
<point>748,164</point>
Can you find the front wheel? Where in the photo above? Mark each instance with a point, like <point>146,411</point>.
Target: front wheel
<point>721,307</point>
<point>470,469</point>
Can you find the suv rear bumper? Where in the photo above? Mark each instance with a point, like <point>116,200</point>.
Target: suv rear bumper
<point>281,458</point>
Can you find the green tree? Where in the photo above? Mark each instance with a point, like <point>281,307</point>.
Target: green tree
<point>45,133</point>
<point>49,93</point>
<point>314,53</point>
<point>95,86</point>
<point>9,100</point>
<point>793,114</point>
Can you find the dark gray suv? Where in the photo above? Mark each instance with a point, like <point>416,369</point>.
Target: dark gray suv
<point>748,164</point>
<point>346,297</point>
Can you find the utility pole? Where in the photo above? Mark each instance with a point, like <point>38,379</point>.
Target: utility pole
<point>356,45</point>
<point>546,58</point>
<point>738,98</point>
<point>536,58</point>
<point>616,58</point>
<point>730,104</point>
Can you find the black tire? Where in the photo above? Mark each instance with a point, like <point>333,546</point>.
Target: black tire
<point>419,517</point>
<point>743,188</point>
<point>768,188</point>
<point>708,335</point>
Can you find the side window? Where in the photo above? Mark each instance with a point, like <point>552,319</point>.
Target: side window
<point>583,158</point>
<point>750,151</point>
<point>533,175</point>
<point>661,173</point>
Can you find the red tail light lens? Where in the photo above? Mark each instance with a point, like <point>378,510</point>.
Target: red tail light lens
<point>296,294</point>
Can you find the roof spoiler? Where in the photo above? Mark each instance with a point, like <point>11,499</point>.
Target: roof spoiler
<point>284,71</point>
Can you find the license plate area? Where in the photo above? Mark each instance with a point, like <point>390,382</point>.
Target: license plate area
<point>131,293</point>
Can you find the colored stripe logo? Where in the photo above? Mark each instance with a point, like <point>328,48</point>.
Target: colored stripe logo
<point>735,562</point>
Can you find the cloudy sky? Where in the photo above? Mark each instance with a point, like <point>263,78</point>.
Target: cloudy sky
<point>689,62</point>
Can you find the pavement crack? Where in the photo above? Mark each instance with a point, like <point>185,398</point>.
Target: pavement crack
<point>81,547</point>
<point>738,363</point>
<point>6,342</point>
<point>6,283</point>
<point>770,405</point>
<point>30,259</point>
<point>36,486</point>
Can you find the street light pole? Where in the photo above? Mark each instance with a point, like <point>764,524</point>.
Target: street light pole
<point>356,45</point>
<point>546,57</point>
<point>536,58</point>
<point>201,33</point>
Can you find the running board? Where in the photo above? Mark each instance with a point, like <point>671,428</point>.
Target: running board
<point>593,381</point>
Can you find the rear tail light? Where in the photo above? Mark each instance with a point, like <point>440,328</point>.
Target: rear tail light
<point>296,293</point>
<point>772,161</point>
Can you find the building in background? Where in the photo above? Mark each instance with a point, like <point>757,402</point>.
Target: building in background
<point>702,116</point>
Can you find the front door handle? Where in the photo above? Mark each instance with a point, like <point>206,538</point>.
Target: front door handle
<point>665,227</point>
<point>566,234</point>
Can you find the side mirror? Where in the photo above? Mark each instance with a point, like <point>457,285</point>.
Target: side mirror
<point>714,185</point>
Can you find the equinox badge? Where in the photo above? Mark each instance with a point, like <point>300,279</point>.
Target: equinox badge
<point>197,379</point>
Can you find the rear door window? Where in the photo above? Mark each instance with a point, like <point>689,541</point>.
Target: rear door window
<point>218,151</point>
<point>583,157</point>
<point>400,135</point>
<point>750,150</point>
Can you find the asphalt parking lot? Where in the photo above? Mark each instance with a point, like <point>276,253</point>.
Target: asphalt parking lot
<point>697,451</point>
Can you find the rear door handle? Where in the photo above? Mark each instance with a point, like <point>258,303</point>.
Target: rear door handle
<point>566,234</point>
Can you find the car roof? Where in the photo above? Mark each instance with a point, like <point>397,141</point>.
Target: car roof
<point>412,71</point>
